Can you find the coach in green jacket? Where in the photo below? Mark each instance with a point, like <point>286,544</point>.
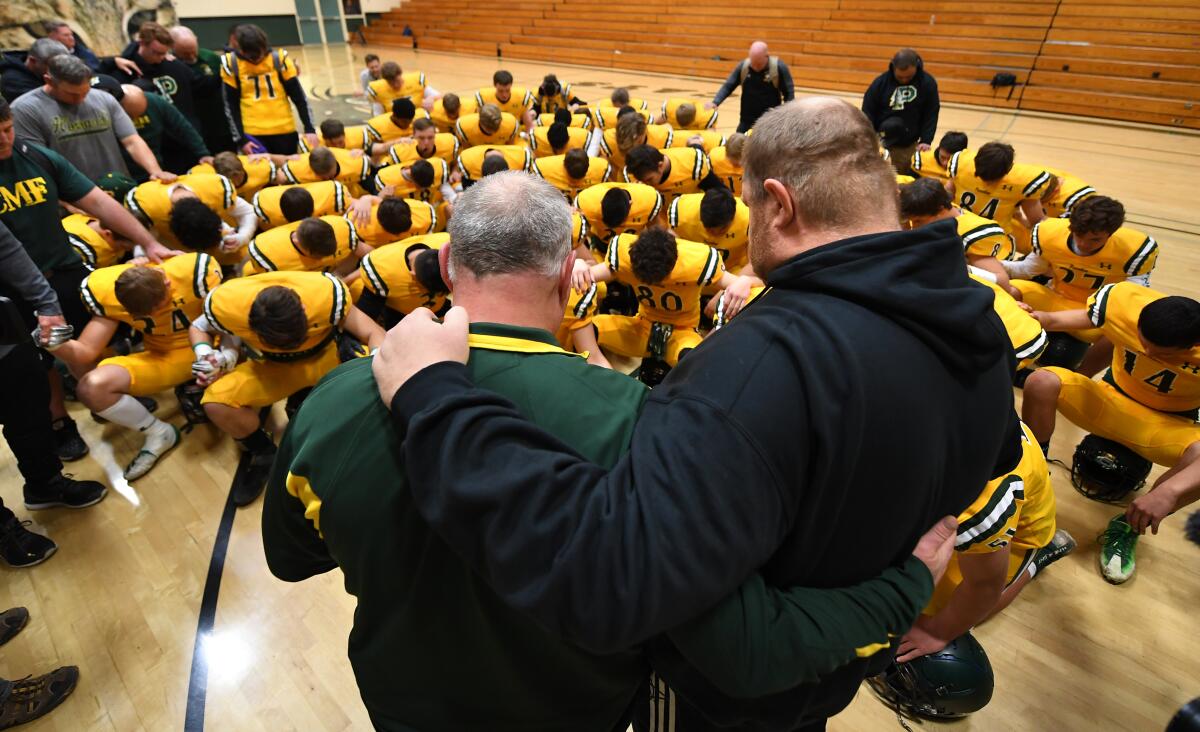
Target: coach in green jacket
<point>433,648</point>
<point>157,120</point>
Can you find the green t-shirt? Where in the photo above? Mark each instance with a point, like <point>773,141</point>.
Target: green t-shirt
<point>160,120</point>
<point>31,186</point>
<point>433,648</point>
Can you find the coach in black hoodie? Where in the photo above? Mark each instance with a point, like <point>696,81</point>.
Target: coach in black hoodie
<point>862,397</point>
<point>903,103</point>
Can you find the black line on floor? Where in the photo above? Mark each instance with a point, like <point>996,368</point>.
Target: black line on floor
<point>193,720</point>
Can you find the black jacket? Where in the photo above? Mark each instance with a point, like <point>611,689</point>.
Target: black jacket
<point>916,103</point>
<point>15,77</point>
<point>865,395</point>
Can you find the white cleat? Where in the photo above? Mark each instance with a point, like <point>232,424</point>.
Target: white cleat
<point>160,439</point>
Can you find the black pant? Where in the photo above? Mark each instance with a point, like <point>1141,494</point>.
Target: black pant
<point>25,414</point>
<point>286,144</point>
<point>65,283</point>
<point>662,710</point>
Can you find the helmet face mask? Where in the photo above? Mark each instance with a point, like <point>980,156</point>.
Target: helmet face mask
<point>1107,471</point>
<point>952,683</point>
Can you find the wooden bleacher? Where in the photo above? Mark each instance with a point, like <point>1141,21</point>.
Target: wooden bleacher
<point>1100,58</point>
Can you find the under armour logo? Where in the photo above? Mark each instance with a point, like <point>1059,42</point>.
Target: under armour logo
<point>1195,369</point>
<point>1105,265</point>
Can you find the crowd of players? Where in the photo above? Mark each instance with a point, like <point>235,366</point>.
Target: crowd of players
<point>255,271</point>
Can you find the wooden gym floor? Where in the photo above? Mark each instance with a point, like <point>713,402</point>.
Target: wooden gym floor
<point>125,594</point>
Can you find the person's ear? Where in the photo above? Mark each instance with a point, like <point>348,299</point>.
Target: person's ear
<point>565,278</point>
<point>444,265</point>
<point>781,211</point>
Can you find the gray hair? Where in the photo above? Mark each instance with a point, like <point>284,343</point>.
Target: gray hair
<point>44,49</point>
<point>69,69</point>
<point>509,222</point>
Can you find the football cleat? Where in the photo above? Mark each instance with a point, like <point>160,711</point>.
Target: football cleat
<point>1117,547</point>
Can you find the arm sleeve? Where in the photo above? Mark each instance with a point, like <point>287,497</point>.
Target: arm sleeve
<point>295,91</point>
<point>293,547</point>
<point>735,78</point>
<point>448,192</point>
<point>19,273</point>
<point>30,127</point>
<point>1026,269</point>
<point>933,107</point>
<point>872,100</point>
<point>180,129</point>
<point>761,640</point>
<point>122,125</point>
<point>247,220</point>
<point>72,184</point>
<point>606,560</point>
<point>593,144</point>
<point>233,113</point>
<point>785,83</point>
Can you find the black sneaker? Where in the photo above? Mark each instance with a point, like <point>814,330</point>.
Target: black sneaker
<point>63,490</point>
<point>11,623</point>
<point>251,476</point>
<point>150,404</point>
<point>35,697</point>
<point>20,547</point>
<point>1060,546</point>
<point>67,443</point>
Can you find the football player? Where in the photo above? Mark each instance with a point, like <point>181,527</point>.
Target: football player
<point>476,162</point>
<point>987,182</point>
<point>279,205</point>
<point>932,163</point>
<point>194,211</point>
<point>688,114</point>
<point>397,125</point>
<point>513,100</point>
<point>630,131</point>
<point>351,168</point>
<point>447,110</point>
<point>619,208</point>
<point>554,95</point>
<point>985,244</point>
<point>326,244</point>
<point>573,172</point>
<point>97,246</point>
<point>489,126</point>
<point>1064,192</point>
<point>424,180</point>
<point>403,276</point>
<point>380,221</point>
<point>335,134</point>
<point>671,172</point>
<point>1148,400</point>
<point>248,173</point>
<point>426,143</point>
<point>560,137</point>
<point>395,84</point>
<point>717,219</point>
<point>726,162</point>
<point>259,81</point>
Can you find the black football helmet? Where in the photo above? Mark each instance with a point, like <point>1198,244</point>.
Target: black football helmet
<point>951,683</point>
<point>1063,350</point>
<point>1107,471</point>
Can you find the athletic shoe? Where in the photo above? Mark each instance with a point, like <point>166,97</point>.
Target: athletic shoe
<point>1060,546</point>
<point>68,445</point>
<point>31,698</point>
<point>11,623</point>
<point>63,490</point>
<point>160,439</point>
<point>251,476</point>
<point>150,405</point>
<point>1117,545</point>
<point>20,547</point>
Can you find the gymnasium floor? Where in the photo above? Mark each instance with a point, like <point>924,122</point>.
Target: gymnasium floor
<point>123,597</point>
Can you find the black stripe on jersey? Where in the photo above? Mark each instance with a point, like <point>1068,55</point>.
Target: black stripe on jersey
<point>287,173</point>
<point>1035,242</point>
<point>258,210</point>
<point>1078,195</point>
<point>981,232</point>
<point>433,219</point>
<point>710,267</point>
<point>365,169</point>
<point>952,168</point>
<point>338,312</point>
<point>604,146</point>
<point>607,172</point>
<point>712,121</point>
<point>212,317</point>
<point>228,192</point>
<point>199,274</point>
<point>259,258</point>
<point>582,233</point>
<point>354,238</point>
<point>1001,505</point>
<point>1140,256</point>
<point>528,161</point>
<point>1033,348</point>
<point>585,302</point>
<point>339,197</point>
<point>89,299</point>
<point>670,137</point>
<point>535,170</point>
<point>915,163</point>
<point>673,214</point>
<point>1099,309</point>
<point>86,253</point>
<point>368,268</point>
<point>657,207</point>
<point>614,256</point>
<point>131,201</point>
<point>698,166</point>
<point>1042,179</point>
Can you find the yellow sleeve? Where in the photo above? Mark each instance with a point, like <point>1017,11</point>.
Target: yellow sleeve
<point>990,523</point>
<point>986,240</point>
<point>287,67</point>
<point>1143,260</point>
<point>714,267</point>
<point>228,69</point>
<point>341,299</point>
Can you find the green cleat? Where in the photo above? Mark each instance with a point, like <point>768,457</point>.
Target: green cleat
<point>1117,545</point>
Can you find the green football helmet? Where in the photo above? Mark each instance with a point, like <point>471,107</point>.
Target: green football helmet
<point>952,683</point>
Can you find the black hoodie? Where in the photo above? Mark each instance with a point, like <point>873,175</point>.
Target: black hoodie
<point>862,397</point>
<point>15,76</point>
<point>915,103</point>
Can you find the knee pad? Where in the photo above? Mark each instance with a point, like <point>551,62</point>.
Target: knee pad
<point>1107,471</point>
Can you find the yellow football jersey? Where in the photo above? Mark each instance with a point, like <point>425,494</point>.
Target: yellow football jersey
<point>540,143</point>
<point>996,200</point>
<point>383,128</point>
<point>925,164</point>
<point>351,169</point>
<point>274,251</point>
<point>412,85</point>
<point>706,119</point>
<point>1070,191</point>
<point>424,221</point>
<point>689,166</point>
<point>684,218</point>
<point>358,137</point>
<point>260,173</point>
<point>152,199</point>
<point>1128,253</point>
<point>393,175</point>
<point>675,300</point>
<point>578,119</point>
<point>724,168</point>
<point>581,308</point>
<point>605,115</point>
<point>1015,511</point>
<point>387,273</point>
<point>95,251</point>
<point>329,197</point>
<point>265,107</point>
<point>1028,337</point>
<point>445,146</point>
<point>1170,385</point>
<point>442,119</point>
<point>645,206</point>
<point>552,170</point>
<point>983,237</point>
<point>519,101</point>
<point>550,105</point>
<point>709,139</point>
<point>468,131</point>
<point>325,298</point>
<point>470,160</point>
<point>191,276</point>
<point>579,229</point>
<point>659,136</point>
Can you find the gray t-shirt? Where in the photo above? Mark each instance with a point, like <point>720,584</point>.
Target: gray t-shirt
<point>88,135</point>
<point>365,78</point>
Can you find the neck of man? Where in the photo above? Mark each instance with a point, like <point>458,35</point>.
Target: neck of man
<point>799,241</point>
<point>490,300</point>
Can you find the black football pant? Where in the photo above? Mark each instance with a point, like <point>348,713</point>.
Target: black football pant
<point>662,710</point>
<point>25,414</point>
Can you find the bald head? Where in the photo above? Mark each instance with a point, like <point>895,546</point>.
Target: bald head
<point>134,102</point>
<point>758,55</point>
<point>186,48</point>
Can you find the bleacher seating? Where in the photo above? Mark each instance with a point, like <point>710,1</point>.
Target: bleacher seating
<point>1102,58</point>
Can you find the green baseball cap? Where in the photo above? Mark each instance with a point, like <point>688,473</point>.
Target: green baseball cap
<point>116,185</point>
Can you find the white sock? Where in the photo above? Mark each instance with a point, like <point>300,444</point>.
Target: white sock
<point>129,412</point>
